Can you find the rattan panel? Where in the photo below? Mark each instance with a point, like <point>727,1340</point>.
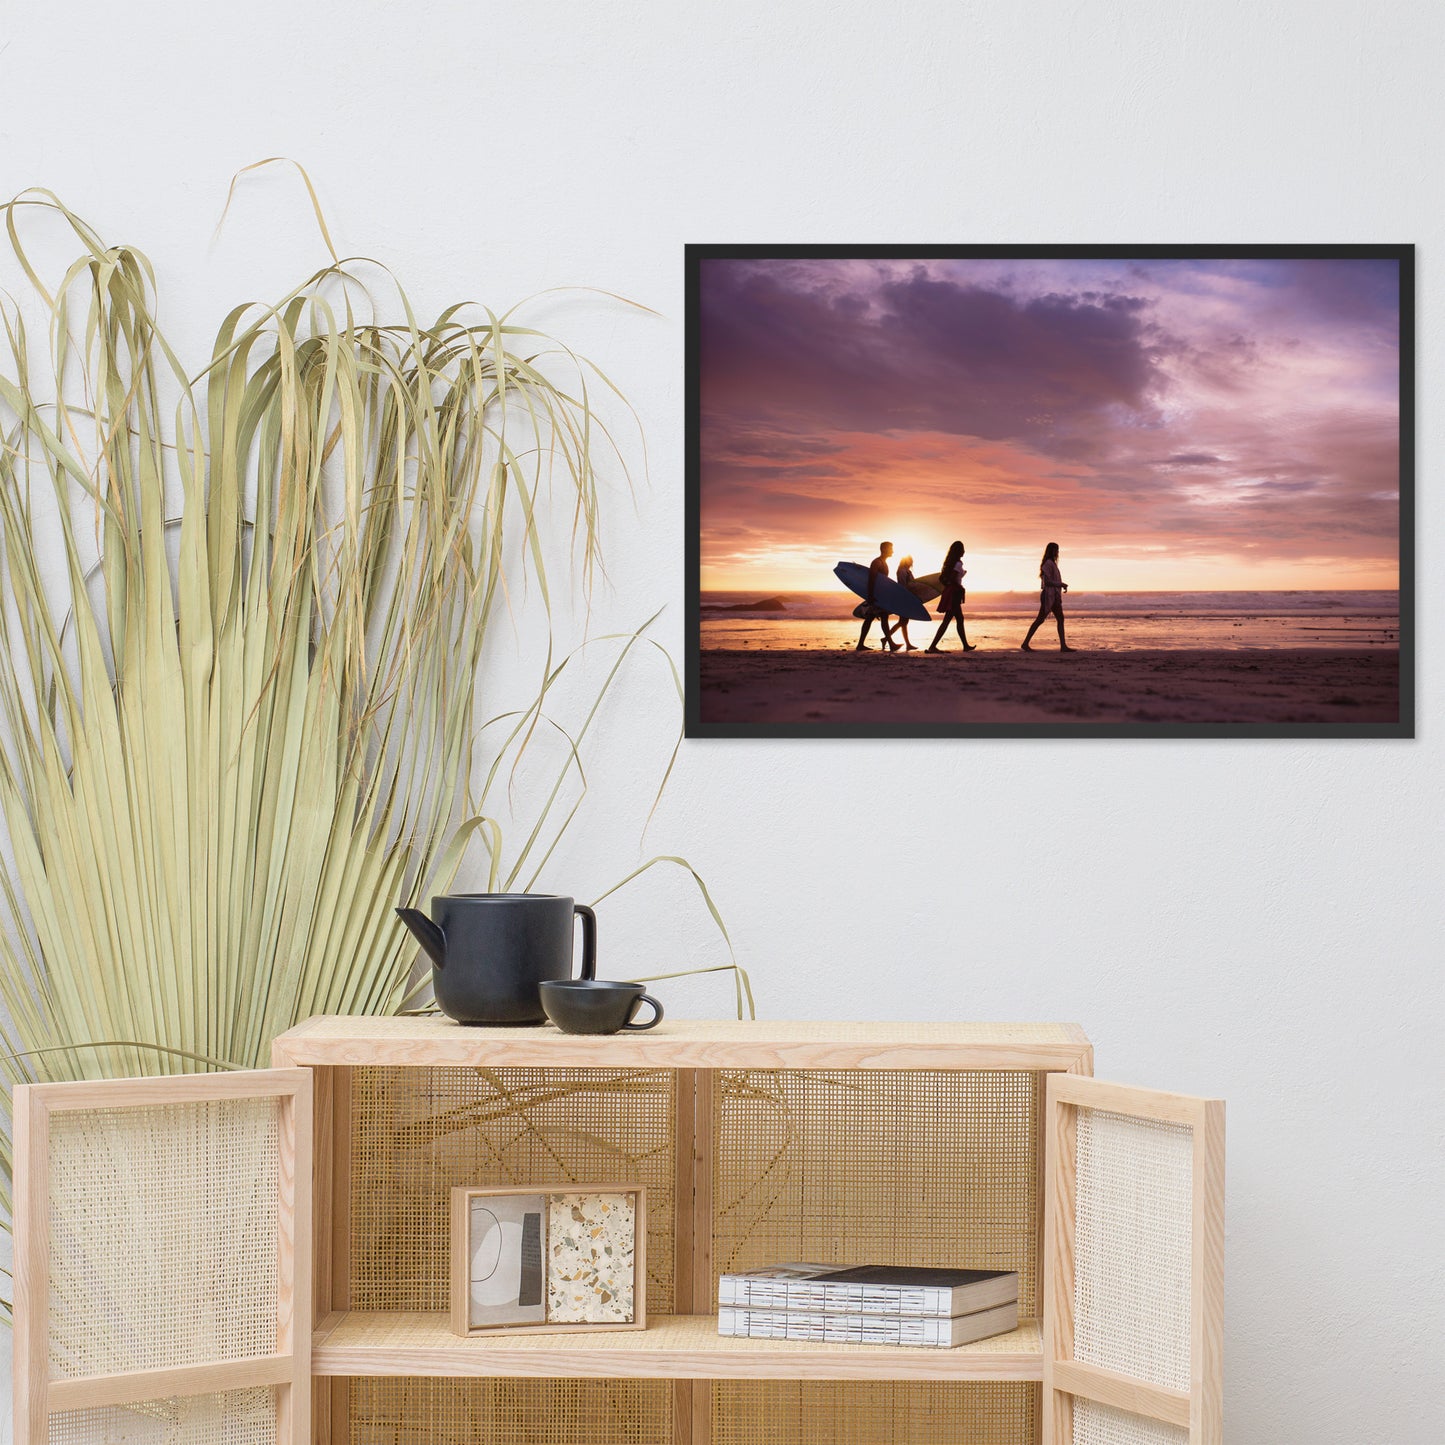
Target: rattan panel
<point>1132,1250</point>
<point>407,1411</point>
<point>1096,1424</point>
<point>775,1412</point>
<point>163,1236</point>
<point>920,1167</point>
<point>235,1417</point>
<point>416,1133</point>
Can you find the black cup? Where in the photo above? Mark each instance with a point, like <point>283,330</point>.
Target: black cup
<point>596,1006</point>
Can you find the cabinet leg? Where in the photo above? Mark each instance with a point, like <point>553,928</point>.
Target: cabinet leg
<point>702,1412</point>
<point>682,1412</point>
<point>692,1412</point>
<point>330,1411</point>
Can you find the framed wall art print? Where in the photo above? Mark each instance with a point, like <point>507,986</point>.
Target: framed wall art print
<point>1084,491</point>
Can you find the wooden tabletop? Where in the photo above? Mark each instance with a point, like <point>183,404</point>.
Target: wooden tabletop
<point>433,1040</point>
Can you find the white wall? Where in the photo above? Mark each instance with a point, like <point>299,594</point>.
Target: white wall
<point>1258,920</point>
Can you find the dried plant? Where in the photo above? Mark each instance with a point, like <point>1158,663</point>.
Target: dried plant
<point>244,612</point>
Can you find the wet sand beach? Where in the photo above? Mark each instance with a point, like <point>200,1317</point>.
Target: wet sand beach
<point>1277,685</point>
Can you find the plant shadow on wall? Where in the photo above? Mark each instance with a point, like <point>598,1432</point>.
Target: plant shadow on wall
<point>244,616</point>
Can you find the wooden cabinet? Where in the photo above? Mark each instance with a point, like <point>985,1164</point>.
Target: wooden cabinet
<point>980,1144</point>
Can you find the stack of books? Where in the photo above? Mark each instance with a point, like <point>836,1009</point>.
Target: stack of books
<point>871,1304</point>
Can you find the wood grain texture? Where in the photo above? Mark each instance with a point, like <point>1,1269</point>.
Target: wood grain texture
<point>700,1424</point>
<point>672,1347</point>
<point>323,1187</point>
<point>1057,1249</point>
<point>704,1278</point>
<point>295,1256</point>
<point>337,1395</point>
<point>684,1149</point>
<point>1127,1100</point>
<point>1200,1410</point>
<point>331,1187</point>
<point>687,1044</point>
<point>287,1368</point>
<point>1206,1420</point>
<point>30,1141</point>
<point>639,1259</point>
<point>459,1252</point>
<point>682,1411</point>
<point>134,1385</point>
<point>340,1224</point>
<point>1060,1192</point>
<point>335,1400</point>
<point>1109,1387</point>
<point>330,1199</point>
<point>160,1089</point>
<point>699,1265</point>
<point>684,1347</point>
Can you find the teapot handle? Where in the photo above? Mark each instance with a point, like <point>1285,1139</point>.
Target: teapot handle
<point>589,940</point>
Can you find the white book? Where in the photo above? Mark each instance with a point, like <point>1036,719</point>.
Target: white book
<point>869,1289</point>
<point>844,1329</point>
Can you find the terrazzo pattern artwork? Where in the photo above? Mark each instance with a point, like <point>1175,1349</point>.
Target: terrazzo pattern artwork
<point>591,1258</point>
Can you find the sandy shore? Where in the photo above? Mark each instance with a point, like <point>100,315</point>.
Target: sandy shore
<point>1296,685</point>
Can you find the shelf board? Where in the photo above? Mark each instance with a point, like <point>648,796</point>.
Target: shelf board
<point>433,1041</point>
<point>672,1347</point>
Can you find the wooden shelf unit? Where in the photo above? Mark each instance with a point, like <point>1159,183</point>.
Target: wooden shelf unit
<point>986,1144</point>
<point>682,1345</point>
<point>672,1347</point>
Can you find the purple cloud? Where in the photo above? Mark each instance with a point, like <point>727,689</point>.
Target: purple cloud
<point>1224,408</point>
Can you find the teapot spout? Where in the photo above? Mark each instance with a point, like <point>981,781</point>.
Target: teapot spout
<point>426,933</point>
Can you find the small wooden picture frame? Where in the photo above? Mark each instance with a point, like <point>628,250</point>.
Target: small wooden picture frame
<point>548,1258</point>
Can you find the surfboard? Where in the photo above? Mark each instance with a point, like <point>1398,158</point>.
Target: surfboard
<point>927,588</point>
<point>888,596</point>
<point>861,611</point>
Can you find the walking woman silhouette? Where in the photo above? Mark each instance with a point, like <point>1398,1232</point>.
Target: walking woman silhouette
<point>1051,597</point>
<point>950,577</point>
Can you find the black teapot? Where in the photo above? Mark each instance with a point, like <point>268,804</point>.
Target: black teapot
<point>491,951</point>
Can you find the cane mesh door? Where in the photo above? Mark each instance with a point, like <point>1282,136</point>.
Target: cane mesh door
<point>1133,1266</point>
<point>162,1248</point>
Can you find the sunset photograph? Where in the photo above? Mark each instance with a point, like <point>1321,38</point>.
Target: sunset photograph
<point>1063,492</point>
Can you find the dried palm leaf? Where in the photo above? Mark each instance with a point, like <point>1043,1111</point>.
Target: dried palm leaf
<point>240,725</point>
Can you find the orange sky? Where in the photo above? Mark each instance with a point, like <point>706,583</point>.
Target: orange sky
<point>1190,426</point>
<point>1003,490</point>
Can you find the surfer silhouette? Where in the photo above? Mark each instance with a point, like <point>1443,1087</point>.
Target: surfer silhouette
<point>950,604</point>
<point>877,568</point>
<point>904,578</point>
<point>1051,597</point>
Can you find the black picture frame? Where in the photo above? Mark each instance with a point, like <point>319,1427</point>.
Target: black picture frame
<point>695,726</point>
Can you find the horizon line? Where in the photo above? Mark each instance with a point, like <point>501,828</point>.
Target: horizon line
<point>1007,591</point>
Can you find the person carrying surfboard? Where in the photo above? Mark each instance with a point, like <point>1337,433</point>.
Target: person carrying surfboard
<point>877,568</point>
<point>904,578</point>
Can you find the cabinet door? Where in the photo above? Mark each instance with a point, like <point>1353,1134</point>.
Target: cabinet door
<point>162,1260</point>
<point>1133,1266</point>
